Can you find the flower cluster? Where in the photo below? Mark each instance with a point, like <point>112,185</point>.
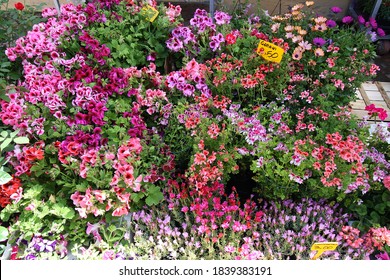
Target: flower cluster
<point>9,192</point>
<point>113,136</point>
<point>286,231</point>
<point>376,112</point>
<point>42,248</point>
<point>374,239</point>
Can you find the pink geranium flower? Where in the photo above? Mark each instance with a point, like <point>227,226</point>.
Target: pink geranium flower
<point>386,182</point>
<point>374,111</point>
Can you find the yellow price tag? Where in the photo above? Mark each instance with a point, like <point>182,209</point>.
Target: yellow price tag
<point>322,247</point>
<point>149,13</point>
<point>270,51</point>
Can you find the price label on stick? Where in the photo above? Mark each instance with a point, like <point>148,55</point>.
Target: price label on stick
<point>322,247</point>
<point>269,51</point>
<point>149,13</point>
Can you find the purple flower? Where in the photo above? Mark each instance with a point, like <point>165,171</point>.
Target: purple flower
<point>30,257</point>
<point>372,35</point>
<point>347,19</point>
<point>336,9</point>
<point>216,41</point>
<point>174,44</point>
<point>108,255</point>
<point>380,32</point>
<point>383,256</point>
<point>331,23</point>
<point>45,245</point>
<point>361,20</point>
<point>373,23</point>
<point>222,18</point>
<point>319,42</point>
<point>120,256</point>
<point>151,57</point>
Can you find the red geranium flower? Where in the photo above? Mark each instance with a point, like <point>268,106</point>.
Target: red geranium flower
<point>7,190</point>
<point>19,6</point>
<point>230,39</point>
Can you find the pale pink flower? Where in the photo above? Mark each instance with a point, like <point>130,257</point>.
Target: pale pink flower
<point>17,196</point>
<point>120,211</point>
<point>137,184</point>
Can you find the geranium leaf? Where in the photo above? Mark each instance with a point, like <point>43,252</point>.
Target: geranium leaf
<point>4,177</point>
<point>3,234</point>
<point>21,140</point>
<point>5,144</point>
<point>154,196</point>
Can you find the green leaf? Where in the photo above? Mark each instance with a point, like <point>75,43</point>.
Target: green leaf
<point>3,234</point>
<point>70,213</point>
<point>21,140</point>
<point>154,196</point>
<point>44,212</point>
<point>361,210</point>
<point>38,169</point>
<point>5,97</point>
<point>136,197</point>
<point>14,133</point>
<point>5,144</point>
<point>4,134</point>
<point>386,197</point>
<point>4,177</point>
<point>111,228</point>
<point>375,217</point>
<point>380,208</point>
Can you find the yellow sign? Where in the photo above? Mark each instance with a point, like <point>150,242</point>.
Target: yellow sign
<point>270,51</point>
<point>149,13</point>
<point>322,247</point>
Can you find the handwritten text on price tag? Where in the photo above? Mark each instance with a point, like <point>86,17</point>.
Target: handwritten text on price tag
<point>322,247</point>
<point>149,13</point>
<point>270,51</point>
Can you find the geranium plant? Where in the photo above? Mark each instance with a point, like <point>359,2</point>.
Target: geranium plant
<point>133,155</point>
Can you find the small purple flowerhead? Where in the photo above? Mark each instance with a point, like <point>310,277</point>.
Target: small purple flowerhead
<point>336,9</point>
<point>373,23</point>
<point>380,32</point>
<point>331,23</point>
<point>372,35</point>
<point>319,42</point>
<point>361,20</point>
<point>347,19</point>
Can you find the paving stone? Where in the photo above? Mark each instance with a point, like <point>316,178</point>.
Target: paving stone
<point>369,86</point>
<point>386,86</point>
<point>358,104</point>
<point>374,95</point>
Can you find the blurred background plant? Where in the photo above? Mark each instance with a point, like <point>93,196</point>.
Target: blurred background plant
<point>383,12</point>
